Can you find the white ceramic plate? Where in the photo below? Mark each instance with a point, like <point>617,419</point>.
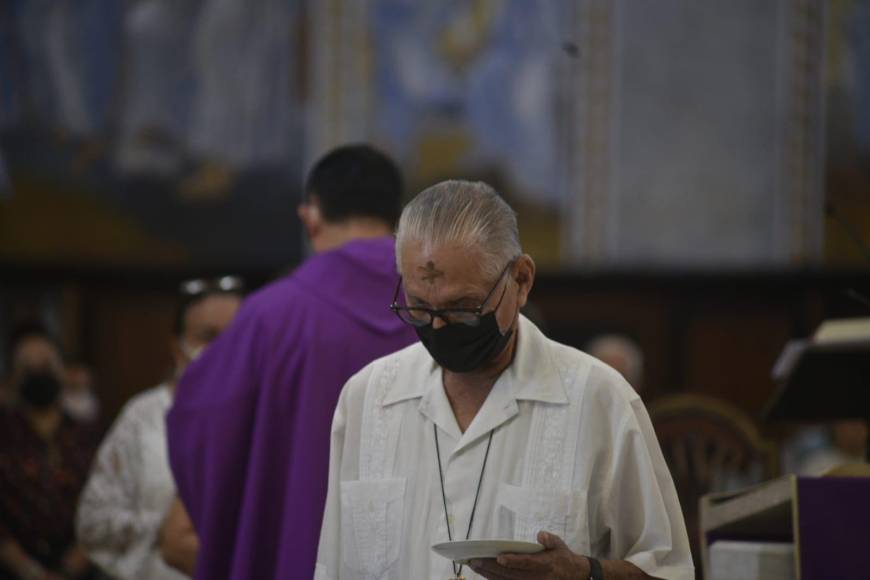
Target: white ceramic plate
<point>464,550</point>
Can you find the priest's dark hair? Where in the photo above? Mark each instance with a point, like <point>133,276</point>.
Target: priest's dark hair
<point>356,181</point>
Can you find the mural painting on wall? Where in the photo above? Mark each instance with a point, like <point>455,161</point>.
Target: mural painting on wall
<point>472,89</point>
<point>848,133</point>
<point>149,133</point>
<point>666,134</point>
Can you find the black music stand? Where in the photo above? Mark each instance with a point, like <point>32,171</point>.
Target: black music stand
<point>822,382</point>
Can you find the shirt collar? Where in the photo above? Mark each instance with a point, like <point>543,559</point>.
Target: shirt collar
<point>534,372</point>
<point>533,375</point>
<point>419,371</point>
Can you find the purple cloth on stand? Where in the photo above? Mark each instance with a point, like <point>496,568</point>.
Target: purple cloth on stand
<point>250,427</point>
<point>834,514</point>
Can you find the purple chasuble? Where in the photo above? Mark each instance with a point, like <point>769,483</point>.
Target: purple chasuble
<point>249,430</point>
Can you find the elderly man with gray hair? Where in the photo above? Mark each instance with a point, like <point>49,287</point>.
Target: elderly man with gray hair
<point>487,430</point>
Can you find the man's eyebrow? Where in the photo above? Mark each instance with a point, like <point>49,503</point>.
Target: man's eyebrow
<point>208,330</point>
<point>412,298</point>
<point>455,301</point>
<point>464,299</point>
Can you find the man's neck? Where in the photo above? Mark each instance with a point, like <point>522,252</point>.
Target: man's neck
<point>468,391</point>
<point>334,236</point>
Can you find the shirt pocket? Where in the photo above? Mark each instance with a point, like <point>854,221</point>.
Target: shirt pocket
<point>371,524</point>
<point>522,512</point>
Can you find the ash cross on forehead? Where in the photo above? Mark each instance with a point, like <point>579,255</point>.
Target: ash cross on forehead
<point>431,272</point>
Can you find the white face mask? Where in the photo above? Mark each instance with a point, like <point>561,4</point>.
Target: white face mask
<point>81,406</point>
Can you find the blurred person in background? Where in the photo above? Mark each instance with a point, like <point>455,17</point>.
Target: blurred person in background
<point>128,496</point>
<point>30,347</point>
<point>44,460</point>
<point>79,398</point>
<point>249,429</point>
<point>814,451</point>
<point>621,353</point>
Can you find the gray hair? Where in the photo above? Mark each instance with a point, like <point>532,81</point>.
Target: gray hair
<point>464,212</point>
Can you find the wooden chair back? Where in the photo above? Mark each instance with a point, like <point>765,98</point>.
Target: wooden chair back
<point>709,445</point>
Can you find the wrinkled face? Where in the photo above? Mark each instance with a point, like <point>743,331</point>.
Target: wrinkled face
<point>203,322</point>
<point>451,277</point>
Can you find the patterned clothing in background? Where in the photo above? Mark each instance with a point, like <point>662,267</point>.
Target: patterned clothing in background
<point>129,493</point>
<point>40,482</point>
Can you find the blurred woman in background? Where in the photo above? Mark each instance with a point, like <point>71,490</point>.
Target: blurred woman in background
<point>44,460</point>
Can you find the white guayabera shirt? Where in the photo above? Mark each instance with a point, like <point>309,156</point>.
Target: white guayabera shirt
<point>573,453</point>
<point>129,492</point>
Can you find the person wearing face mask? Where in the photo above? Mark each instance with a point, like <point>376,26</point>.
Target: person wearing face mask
<point>44,459</point>
<point>79,398</point>
<point>489,430</point>
<point>130,492</point>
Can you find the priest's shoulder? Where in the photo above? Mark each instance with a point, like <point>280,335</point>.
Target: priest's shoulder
<point>283,294</point>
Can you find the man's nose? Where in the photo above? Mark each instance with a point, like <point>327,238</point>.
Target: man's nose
<point>438,322</point>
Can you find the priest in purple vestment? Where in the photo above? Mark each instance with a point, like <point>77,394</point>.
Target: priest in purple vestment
<point>249,430</point>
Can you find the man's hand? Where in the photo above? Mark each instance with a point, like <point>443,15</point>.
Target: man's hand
<point>24,567</point>
<point>178,542</point>
<point>75,562</point>
<point>556,562</point>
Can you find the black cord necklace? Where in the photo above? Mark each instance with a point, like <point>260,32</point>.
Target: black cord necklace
<point>457,569</point>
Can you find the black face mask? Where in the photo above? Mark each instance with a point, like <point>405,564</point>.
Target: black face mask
<point>40,390</point>
<point>460,348</point>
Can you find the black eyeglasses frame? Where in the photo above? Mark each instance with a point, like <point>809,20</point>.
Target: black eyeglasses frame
<point>445,313</point>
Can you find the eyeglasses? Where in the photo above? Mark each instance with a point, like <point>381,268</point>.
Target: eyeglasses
<point>419,316</point>
<point>191,288</point>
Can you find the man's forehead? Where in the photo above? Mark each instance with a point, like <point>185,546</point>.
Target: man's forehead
<point>36,347</point>
<point>440,281</point>
<point>214,308</point>
<point>446,291</point>
<point>454,264</point>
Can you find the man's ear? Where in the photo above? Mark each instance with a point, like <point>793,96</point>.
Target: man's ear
<point>524,276</point>
<point>310,215</point>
